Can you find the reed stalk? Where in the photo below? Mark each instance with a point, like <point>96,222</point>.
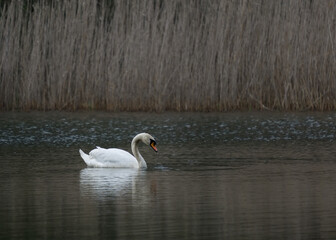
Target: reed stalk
<point>149,55</point>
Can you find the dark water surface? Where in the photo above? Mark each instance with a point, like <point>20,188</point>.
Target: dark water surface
<point>216,176</point>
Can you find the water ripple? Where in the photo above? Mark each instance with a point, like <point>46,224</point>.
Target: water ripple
<point>106,128</point>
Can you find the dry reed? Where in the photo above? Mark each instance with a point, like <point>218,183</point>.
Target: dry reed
<point>149,55</point>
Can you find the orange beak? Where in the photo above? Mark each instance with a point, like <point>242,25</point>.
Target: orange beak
<point>153,146</point>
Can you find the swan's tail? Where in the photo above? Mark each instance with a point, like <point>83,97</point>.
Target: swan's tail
<point>85,157</point>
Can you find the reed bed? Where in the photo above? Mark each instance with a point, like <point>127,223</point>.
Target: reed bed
<point>150,55</point>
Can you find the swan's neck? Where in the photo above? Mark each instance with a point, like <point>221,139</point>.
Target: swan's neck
<point>136,153</point>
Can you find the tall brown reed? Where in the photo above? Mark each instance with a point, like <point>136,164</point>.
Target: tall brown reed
<point>190,55</point>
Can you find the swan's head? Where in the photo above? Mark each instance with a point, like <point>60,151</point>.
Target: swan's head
<point>149,140</point>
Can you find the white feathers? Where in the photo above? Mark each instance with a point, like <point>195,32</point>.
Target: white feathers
<point>118,158</point>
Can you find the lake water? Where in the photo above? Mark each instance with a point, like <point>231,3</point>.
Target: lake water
<point>216,176</point>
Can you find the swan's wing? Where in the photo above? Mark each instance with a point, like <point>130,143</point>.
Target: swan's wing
<point>113,157</point>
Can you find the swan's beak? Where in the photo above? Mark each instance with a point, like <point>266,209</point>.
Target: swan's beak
<point>153,146</point>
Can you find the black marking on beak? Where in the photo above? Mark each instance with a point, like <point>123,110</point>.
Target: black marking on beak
<point>152,144</point>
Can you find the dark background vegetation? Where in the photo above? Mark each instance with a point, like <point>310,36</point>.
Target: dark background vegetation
<point>148,55</point>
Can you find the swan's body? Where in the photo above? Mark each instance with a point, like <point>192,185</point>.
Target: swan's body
<point>118,158</point>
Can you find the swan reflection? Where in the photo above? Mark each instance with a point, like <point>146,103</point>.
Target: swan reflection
<point>103,182</point>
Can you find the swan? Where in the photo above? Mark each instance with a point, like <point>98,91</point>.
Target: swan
<point>118,158</point>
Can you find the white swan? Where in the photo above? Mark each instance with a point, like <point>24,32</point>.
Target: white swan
<point>118,158</point>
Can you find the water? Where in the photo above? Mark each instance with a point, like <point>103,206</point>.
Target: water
<point>216,176</point>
